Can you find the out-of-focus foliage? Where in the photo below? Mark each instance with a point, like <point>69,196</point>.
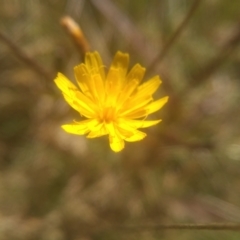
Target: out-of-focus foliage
<point>55,186</point>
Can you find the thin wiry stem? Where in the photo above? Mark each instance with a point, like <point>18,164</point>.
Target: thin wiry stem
<point>175,35</point>
<point>227,49</point>
<point>18,52</point>
<point>157,227</point>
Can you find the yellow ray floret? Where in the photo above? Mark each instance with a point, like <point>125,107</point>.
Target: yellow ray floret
<point>113,104</point>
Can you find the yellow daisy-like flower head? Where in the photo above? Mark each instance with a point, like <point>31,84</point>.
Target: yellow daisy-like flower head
<point>113,104</point>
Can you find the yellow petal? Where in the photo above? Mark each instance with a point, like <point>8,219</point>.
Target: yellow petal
<point>129,133</point>
<point>116,75</point>
<point>91,62</point>
<point>150,108</point>
<point>133,105</point>
<point>75,104</point>
<point>125,131</point>
<point>142,97</point>
<point>83,77</point>
<point>137,72</point>
<point>113,86</point>
<point>116,143</point>
<point>139,113</point>
<point>101,68</point>
<point>91,84</point>
<point>120,61</point>
<point>132,80</point>
<point>82,127</point>
<point>138,136</point>
<point>71,95</point>
<point>75,128</point>
<point>98,131</point>
<point>85,106</point>
<point>149,87</point>
<point>115,140</point>
<point>66,86</point>
<point>86,103</point>
<point>141,123</point>
<point>126,92</point>
<point>95,68</point>
<point>156,105</point>
<point>99,88</point>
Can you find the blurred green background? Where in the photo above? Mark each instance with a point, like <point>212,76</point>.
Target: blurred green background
<point>56,186</point>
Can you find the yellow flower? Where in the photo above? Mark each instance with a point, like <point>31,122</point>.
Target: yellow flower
<point>112,103</point>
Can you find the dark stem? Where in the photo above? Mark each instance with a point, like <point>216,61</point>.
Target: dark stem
<point>175,36</point>
<point>157,227</point>
<point>24,57</point>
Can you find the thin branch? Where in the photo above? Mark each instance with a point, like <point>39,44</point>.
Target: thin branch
<point>203,74</point>
<point>175,35</point>
<point>158,227</point>
<point>227,49</point>
<point>18,52</point>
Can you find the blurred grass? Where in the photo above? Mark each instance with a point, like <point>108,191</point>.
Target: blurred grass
<point>55,186</point>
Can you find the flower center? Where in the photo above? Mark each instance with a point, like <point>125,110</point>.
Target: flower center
<point>108,115</point>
